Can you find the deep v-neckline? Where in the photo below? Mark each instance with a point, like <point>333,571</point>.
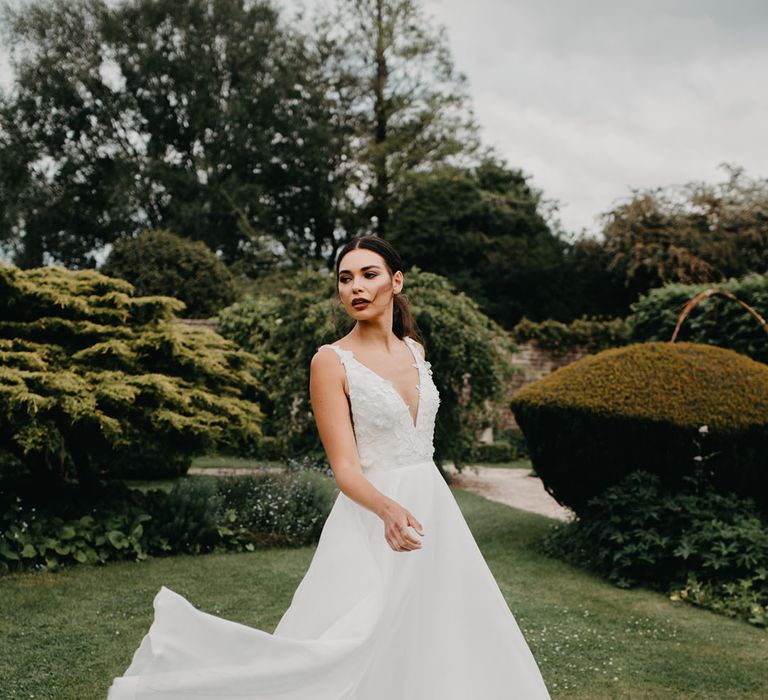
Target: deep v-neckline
<point>416,364</point>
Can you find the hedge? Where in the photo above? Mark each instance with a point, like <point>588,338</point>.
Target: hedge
<point>590,423</point>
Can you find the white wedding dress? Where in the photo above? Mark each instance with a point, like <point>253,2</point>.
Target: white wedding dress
<point>366,622</point>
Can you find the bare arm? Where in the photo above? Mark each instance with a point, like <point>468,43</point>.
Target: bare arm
<point>334,424</point>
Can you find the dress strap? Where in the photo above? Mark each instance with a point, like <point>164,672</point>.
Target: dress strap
<point>424,362</point>
<point>344,355</point>
<point>412,343</point>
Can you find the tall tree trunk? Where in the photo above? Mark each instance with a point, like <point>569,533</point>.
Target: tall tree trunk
<point>380,205</point>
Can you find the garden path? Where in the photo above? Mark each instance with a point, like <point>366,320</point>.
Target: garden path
<point>518,488</point>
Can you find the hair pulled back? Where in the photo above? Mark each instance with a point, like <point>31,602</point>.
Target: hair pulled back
<point>403,323</point>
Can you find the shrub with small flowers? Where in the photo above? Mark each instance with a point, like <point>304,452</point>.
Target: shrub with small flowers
<point>199,514</point>
<point>696,544</point>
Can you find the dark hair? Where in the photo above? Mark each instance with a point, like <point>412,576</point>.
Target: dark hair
<point>403,323</point>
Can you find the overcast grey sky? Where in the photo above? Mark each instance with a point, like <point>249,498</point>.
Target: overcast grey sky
<point>595,97</point>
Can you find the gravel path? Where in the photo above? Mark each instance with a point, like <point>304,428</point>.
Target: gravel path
<point>514,487</point>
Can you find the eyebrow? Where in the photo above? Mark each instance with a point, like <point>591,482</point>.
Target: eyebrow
<point>366,267</point>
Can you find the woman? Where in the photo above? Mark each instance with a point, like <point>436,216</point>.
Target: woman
<point>398,601</point>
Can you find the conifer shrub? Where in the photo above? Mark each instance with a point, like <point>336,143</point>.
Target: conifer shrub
<point>592,422</point>
<point>160,262</point>
<point>98,382</point>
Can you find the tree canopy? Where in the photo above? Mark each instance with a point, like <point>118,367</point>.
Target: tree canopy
<point>485,229</point>
<point>207,118</point>
<point>694,233</point>
<point>217,121</point>
<point>159,262</point>
<point>410,105</point>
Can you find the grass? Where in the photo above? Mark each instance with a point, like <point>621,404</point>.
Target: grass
<point>516,464</point>
<point>66,635</point>
<point>225,462</point>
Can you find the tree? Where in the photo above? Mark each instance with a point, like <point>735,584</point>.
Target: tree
<point>485,229</point>
<point>594,289</point>
<point>206,117</point>
<point>159,262</point>
<point>694,233</point>
<point>410,105</point>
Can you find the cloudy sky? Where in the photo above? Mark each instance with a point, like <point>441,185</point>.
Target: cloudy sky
<point>594,98</point>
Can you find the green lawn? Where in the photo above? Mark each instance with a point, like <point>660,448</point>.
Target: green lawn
<point>66,635</point>
<point>226,462</point>
<point>516,464</point>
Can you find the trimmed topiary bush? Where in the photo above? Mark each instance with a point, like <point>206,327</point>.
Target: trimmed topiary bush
<point>160,262</point>
<point>713,321</point>
<point>96,382</point>
<point>590,423</point>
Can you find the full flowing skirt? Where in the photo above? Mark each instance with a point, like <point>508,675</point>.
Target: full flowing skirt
<point>365,623</point>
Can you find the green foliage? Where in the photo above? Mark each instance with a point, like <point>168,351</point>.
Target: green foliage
<point>485,230</point>
<point>707,547</point>
<point>591,334</point>
<point>278,509</point>
<point>408,106</point>
<point>469,354</point>
<point>496,452</point>
<point>211,118</point>
<point>95,380</point>
<point>161,263</point>
<point>29,539</point>
<point>716,320</point>
<point>186,519</point>
<point>694,233</point>
<point>590,423</point>
<point>594,287</point>
<point>198,515</point>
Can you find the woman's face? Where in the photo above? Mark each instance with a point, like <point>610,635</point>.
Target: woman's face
<point>363,275</point>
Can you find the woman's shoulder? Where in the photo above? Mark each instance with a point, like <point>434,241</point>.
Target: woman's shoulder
<point>328,361</point>
<point>418,345</point>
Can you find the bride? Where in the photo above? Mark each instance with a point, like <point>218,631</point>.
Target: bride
<point>398,601</point>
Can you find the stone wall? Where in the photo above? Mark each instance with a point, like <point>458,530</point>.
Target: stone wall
<point>534,363</point>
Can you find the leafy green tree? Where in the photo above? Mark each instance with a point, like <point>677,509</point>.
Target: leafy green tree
<point>159,262</point>
<point>95,381</point>
<point>593,288</point>
<point>411,107</point>
<point>485,229</point>
<point>694,233</point>
<point>207,117</point>
<point>469,354</point>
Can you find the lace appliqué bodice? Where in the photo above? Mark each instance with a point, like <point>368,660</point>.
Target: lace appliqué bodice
<point>384,429</point>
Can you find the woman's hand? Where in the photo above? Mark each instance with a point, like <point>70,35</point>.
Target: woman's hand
<point>398,525</point>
